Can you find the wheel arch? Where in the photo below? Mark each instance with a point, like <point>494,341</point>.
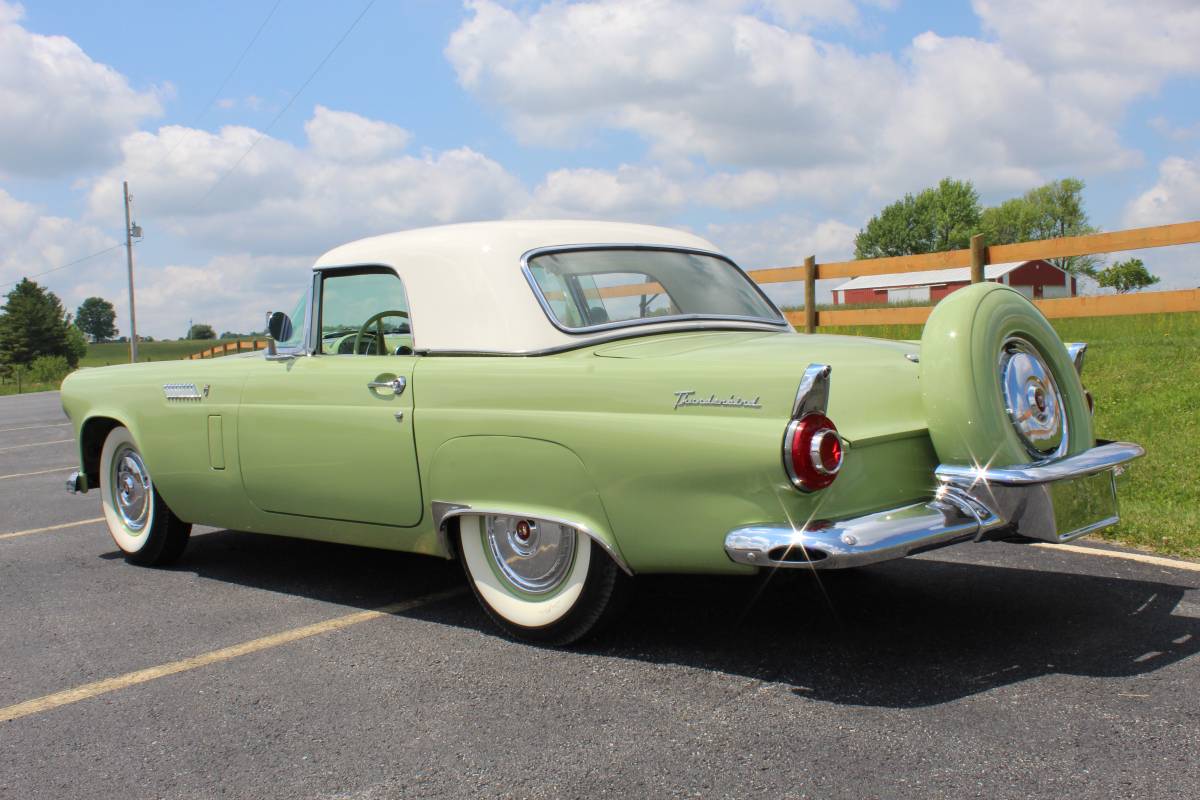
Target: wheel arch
<point>92,433</point>
<point>518,476</point>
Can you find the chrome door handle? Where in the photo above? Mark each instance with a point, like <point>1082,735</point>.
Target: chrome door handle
<point>395,384</point>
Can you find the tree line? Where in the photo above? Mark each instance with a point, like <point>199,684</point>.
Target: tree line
<point>946,216</point>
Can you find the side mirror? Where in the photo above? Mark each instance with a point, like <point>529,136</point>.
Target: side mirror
<point>279,326</point>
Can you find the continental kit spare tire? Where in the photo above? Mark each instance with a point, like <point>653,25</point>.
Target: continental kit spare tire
<point>998,385</point>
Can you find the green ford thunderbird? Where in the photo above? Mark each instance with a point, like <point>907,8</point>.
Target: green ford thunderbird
<point>565,405</point>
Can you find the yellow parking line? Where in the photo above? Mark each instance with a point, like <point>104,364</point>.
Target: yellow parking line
<point>1157,561</point>
<point>89,690</point>
<point>15,534</point>
<point>39,472</point>
<point>35,427</point>
<point>35,444</point>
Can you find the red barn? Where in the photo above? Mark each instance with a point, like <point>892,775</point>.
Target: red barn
<point>1034,279</point>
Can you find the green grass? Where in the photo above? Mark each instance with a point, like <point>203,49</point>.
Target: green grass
<point>102,355</point>
<point>26,388</point>
<point>1144,372</point>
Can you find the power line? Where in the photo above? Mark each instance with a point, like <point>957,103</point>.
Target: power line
<point>262,135</point>
<point>221,87</point>
<point>68,264</point>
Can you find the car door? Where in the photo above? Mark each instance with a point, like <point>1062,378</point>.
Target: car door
<point>327,432</point>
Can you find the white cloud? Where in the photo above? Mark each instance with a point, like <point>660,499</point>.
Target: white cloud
<point>713,84</point>
<point>786,240</point>
<point>629,192</point>
<point>351,180</point>
<point>1141,41</point>
<point>62,111</point>
<point>343,136</point>
<point>1174,198</point>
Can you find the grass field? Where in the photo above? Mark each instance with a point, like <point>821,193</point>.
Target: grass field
<point>102,355</point>
<point>1145,374</point>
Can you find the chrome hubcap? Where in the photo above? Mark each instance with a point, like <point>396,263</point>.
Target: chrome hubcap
<point>131,489</point>
<point>1032,399</point>
<point>533,555</point>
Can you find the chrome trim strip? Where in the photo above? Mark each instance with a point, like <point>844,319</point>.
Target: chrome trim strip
<point>1077,350</point>
<point>443,511</point>
<point>1100,458</point>
<point>813,392</point>
<point>782,322</point>
<point>745,327</point>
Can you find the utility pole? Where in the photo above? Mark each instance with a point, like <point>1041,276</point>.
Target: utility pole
<point>129,233</point>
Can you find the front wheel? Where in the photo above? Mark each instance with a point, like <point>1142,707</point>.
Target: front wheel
<point>538,580</point>
<point>140,523</point>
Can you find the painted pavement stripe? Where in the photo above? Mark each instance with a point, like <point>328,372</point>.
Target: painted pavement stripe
<point>39,472</point>
<point>35,427</point>
<point>35,444</point>
<point>15,534</point>
<point>1157,561</point>
<point>90,690</point>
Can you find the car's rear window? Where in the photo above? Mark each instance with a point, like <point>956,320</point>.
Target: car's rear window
<point>586,289</point>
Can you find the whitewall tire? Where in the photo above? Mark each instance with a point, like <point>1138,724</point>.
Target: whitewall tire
<point>140,523</point>
<point>538,580</point>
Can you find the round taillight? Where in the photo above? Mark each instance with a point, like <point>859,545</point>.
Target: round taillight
<point>812,452</point>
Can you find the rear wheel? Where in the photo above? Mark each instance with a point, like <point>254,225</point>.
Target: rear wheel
<point>538,580</point>
<point>140,523</point>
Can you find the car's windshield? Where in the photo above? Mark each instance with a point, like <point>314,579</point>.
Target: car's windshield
<point>583,289</point>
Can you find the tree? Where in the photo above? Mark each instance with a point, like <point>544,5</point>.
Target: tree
<point>1047,212</point>
<point>202,331</point>
<point>77,342</point>
<point>1126,276</point>
<point>936,219</point>
<point>96,317</point>
<point>33,323</point>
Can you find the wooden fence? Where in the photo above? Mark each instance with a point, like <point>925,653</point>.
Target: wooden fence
<point>227,348</point>
<point>977,256</point>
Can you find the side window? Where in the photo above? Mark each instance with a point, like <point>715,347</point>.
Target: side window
<point>364,312</point>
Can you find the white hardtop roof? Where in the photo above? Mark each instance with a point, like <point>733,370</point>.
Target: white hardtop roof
<point>991,272</point>
<point>466,291</point>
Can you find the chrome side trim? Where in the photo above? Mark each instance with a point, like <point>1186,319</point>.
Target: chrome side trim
<point>526,257</point>
<point>1077,350</point>
<point>1097,459</point>
<point>813,393</point>
<point>443,511</point>
<point>883,536</point>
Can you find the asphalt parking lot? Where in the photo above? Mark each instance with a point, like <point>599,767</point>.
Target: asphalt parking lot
<point>251,670</point>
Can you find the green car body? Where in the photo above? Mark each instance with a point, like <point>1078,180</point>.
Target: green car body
<point>658,441</point>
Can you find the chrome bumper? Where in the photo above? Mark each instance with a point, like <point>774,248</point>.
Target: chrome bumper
<point>76,482</point>
<point>1040,501</point>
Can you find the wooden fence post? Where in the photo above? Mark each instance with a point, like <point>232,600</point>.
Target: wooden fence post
<point>978,258</point>
<point>810,294</point>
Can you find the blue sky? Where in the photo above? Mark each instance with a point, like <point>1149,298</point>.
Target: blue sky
<point>773,127</point>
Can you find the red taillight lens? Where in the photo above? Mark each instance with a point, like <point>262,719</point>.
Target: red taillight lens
<point>812,452</point>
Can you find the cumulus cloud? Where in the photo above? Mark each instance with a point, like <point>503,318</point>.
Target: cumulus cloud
<point>1142,41</point>
<point>786,240</point>
<point>715,84</point>
<point>629,192</point>
<point>1175,197</point>
<point>350,180</point>
<point>62,111</point>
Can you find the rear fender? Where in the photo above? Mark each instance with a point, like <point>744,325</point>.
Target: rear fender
<point>517,476</point>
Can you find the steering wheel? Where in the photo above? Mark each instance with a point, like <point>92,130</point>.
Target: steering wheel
<point>377,321</point>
